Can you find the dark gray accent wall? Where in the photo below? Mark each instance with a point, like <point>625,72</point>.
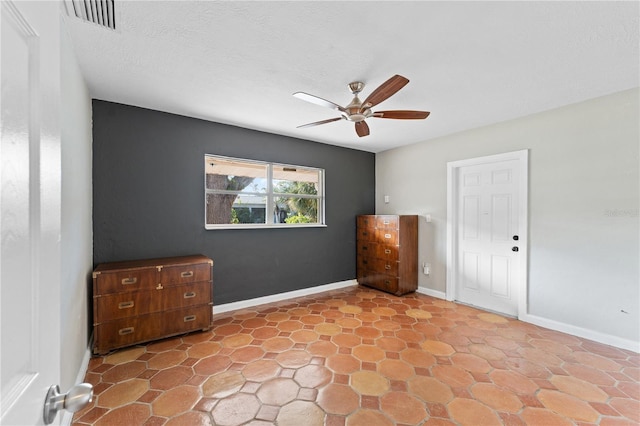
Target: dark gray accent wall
<point>148,201</point>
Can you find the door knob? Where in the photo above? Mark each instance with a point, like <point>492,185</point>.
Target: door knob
<point>515,249</point>
<point>75,400</point>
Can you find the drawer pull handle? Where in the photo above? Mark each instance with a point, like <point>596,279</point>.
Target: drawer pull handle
<point>130,280</point>
<point>365,262</point>
<point>190,294</point>
<point>387,282</point>
<point>365,233</point>
<point>189,318</point>
<point>364,247</point>
<point>387,266</point>
<point>387,235</point>
<point>386,222</point>
<point>125,305</point>
<point>387,251</point>
<point>125,331</point>
<point>187,274</point>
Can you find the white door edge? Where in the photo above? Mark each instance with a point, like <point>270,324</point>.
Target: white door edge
<point>452,238</point>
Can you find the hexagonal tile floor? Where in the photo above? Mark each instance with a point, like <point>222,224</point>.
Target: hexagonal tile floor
<point>358,356</point>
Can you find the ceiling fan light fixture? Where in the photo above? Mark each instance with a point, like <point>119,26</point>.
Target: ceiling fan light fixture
<point>356,118</point>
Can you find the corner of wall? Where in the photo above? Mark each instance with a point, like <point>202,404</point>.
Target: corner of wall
<point>76,239</point>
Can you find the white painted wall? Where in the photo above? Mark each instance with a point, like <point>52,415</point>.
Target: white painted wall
<point>584,228</point>
<point>77,229</point>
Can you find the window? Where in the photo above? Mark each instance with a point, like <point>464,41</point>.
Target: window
<point>246,193</point>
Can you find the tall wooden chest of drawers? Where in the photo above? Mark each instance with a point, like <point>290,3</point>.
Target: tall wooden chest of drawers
<point>388,252</point>
<point>144,300</point>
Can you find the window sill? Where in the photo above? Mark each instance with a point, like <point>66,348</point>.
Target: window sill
<point>256,226</point>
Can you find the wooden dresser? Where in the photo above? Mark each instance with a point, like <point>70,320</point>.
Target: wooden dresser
<point>144,300</point>
<point>388,252</point>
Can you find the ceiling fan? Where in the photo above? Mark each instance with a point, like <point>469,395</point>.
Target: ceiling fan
<point>358,111</point>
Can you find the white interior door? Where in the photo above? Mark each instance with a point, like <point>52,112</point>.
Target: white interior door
<point>489,236</point>
<point>29,209</point>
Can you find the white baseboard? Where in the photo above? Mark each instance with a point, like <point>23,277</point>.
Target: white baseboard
<point>585,333</point>
<point>573,330</point>
<point>249,303</point>
<point>431,292</point>
<point>67,417</point>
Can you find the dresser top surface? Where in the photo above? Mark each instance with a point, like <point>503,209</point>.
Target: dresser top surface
<point>147,263</point>
<point>387,215</point>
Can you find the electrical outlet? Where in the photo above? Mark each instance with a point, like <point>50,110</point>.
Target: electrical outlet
<point>426,268</point>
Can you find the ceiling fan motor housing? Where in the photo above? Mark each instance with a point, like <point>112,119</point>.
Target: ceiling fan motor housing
<point>353,112</point>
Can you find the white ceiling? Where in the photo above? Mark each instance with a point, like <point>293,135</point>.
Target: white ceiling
<point>470,63</point>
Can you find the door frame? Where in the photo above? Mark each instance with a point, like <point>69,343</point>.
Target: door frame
<point>522,284</point>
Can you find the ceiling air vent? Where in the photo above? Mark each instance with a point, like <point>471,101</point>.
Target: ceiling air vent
<point>100,12</point>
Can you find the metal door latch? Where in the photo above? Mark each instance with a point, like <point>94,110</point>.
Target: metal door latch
<point>75,400</point>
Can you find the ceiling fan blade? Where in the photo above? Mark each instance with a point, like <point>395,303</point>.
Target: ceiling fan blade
<point>318,101</point>
<point>362,129</point>
<point>384,91</point>
<point>402,114</point>
<point>317,123</point>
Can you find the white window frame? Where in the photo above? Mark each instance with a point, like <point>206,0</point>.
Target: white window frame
<point>270,195</point>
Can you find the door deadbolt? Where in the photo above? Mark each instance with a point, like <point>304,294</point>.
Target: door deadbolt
<point>516,238</point>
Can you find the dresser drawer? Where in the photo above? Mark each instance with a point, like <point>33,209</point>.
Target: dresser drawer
<point>121,305</point>
<point>188,319</point>
<point>386,222</point>
<point>387,252</point>
<point>127,331</point>
<point>366,234</point>
<point>182,274</point>
<point>386,283</point>
<point>366,221</point>
<point>387,236</point>
<point>130,331</point>
<point>383,266</point>
<point>367,248</point>
<point>381,251</point>
<point>127,280</point>
<point>186,295</point>
<point>380,281</point>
